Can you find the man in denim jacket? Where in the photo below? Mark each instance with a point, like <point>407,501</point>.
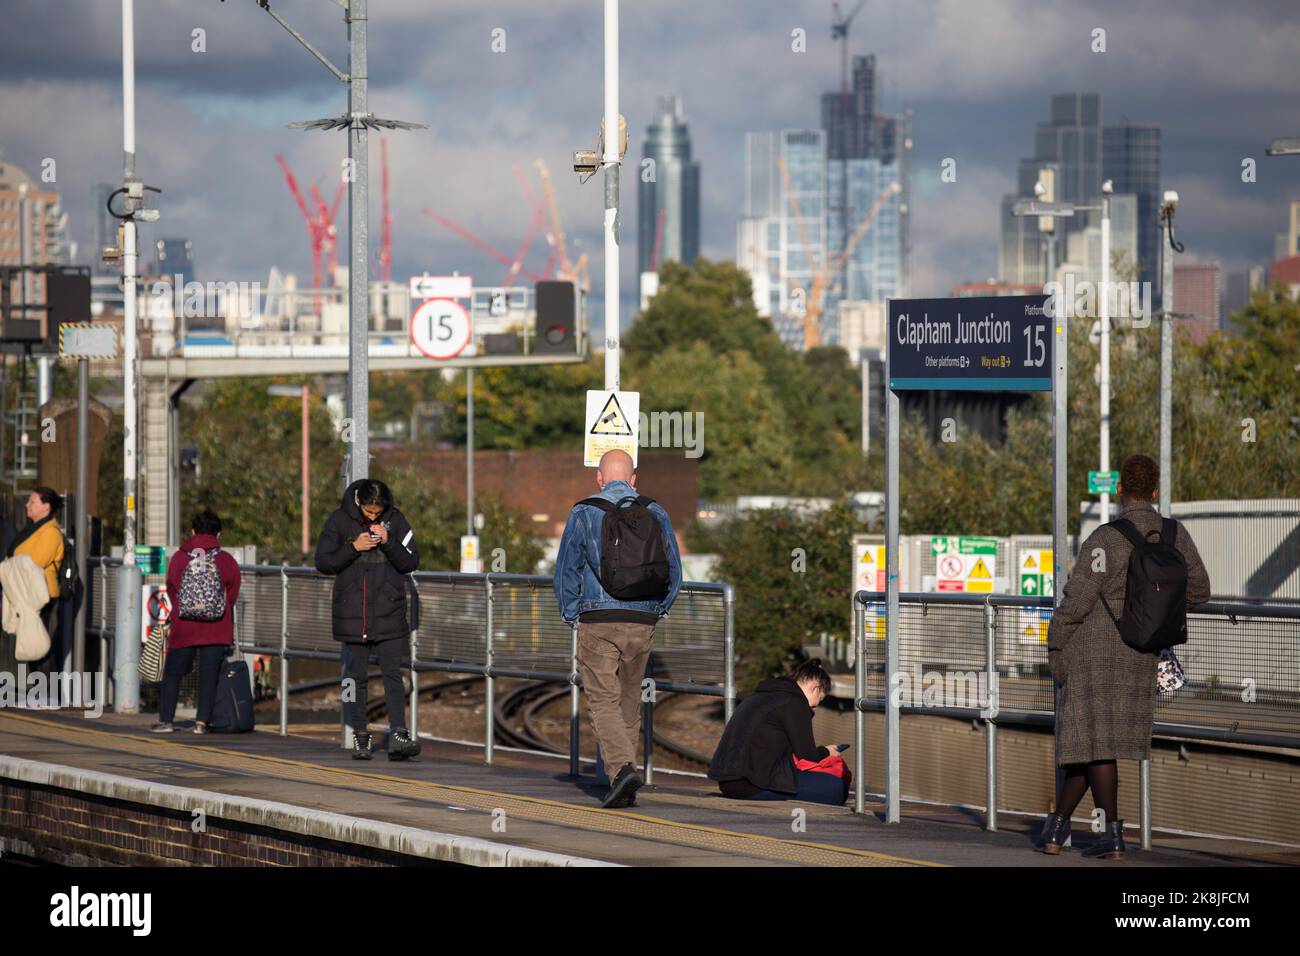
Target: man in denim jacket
<point>614,636</point>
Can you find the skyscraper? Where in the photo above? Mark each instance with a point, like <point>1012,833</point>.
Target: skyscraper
<point>856,130</point>
<point>782,238</point>
<point>1072,139</point>
<point>1068,160</point>
<point>673,195</point>
<point>1131,160</point>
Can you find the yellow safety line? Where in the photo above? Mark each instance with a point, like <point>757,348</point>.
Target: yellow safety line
<point>193,753</point>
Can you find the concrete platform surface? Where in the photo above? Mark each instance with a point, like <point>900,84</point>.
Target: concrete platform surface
<point>529,801</point>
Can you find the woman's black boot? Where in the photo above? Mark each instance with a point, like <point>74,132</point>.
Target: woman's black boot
<point>1056,830</point>
<point>1110,846</point>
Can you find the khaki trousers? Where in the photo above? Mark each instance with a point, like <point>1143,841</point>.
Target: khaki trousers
<point>612,656</point>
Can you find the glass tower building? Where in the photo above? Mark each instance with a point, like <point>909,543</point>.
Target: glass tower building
<point>1131,159</point>
<point>673,195</point>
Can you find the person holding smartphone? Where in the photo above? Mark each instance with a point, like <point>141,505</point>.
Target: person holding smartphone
<point>770,732</point>
<point>369,547</point>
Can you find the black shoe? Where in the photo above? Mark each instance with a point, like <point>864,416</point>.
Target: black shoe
<point>1110,846</point>
<point>623,790</point>
<point>401,746</point>
<point>1051,839</point>
<point>361,747</point>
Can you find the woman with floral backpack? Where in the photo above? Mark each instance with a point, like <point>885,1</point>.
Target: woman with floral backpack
<point>203,584</point>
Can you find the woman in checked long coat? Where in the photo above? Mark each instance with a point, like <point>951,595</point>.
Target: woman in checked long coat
<point>1106,690</point>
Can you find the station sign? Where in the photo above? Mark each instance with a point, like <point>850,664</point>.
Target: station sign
<point>973,343</point>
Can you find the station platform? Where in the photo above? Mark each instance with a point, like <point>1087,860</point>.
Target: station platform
<point>302,799</point>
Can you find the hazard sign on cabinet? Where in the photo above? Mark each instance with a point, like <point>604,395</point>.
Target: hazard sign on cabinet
<point>965,564</point>
<point>1036,577</point>
<point>612,422</point>
<point>868,567</point>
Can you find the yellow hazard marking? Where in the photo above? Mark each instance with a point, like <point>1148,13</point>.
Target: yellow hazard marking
<point>980,570</point>
<point>1030,562</point>
<point>538,809</point>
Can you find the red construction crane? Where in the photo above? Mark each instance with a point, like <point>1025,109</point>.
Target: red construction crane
<point>329,216</point>
<point>386,220</point>
<point>479,244</point>
<point>316,229</point>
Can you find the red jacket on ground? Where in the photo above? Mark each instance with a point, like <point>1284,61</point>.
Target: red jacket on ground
<point>186,633</point>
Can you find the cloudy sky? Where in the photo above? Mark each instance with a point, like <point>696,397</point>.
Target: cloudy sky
<point>1221,80</point>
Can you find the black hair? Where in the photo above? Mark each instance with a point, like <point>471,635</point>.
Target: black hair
<point>372,492</point>
<point>1140,476</point>
<point>50,497</point>
<point>206,522</point>
<point>812,671</point>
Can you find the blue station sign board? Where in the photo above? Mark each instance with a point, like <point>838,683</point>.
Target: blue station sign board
<point>974,343</point>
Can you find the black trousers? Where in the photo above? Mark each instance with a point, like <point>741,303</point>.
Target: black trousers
<point>179,662</point>
<point>390,665</point>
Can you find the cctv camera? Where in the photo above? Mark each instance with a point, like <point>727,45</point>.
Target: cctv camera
<point>147,215</point>
<point>1108,187</point>
<point>1040,190</point>
<point>1171,198</point>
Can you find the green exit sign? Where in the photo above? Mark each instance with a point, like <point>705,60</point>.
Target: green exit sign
<point>1103,482</point>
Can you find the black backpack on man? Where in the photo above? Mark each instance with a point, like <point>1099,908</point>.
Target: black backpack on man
<point>633,559</point>
<point>1154,615</point>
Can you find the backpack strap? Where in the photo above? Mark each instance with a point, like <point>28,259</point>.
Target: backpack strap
<point>601,503</point>
<point>1129,530</point>
<point>1168,531</point>
<point>644,502</point>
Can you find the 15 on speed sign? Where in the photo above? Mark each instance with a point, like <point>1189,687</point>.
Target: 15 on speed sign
<point>441,328</point>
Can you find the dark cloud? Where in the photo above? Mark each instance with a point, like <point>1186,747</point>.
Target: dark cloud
<point>1219,79</point>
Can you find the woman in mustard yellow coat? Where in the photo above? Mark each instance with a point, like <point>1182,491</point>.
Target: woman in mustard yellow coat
<point>42,541</point>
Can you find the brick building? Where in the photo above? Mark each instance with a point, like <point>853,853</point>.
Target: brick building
<point>544,484</point>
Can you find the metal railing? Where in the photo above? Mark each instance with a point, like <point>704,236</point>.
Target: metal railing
<point>1242,661</point>
<point>490,625</point>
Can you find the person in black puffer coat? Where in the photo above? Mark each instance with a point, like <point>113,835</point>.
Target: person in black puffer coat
<point>369,547</point>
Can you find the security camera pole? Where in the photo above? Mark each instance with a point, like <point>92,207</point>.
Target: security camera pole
<point>126,651</point>
<point>610,160</point>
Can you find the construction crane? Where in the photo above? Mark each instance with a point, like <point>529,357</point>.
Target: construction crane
<point>316,229</point>
<point>840,31</point>
<point>822,276</point>
<point>577,272</point>
<point>481,245</point>
<point>329,216</point>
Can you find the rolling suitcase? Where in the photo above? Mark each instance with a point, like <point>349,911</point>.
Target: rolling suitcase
<point>232,711</point>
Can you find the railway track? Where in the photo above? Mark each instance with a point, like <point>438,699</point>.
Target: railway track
<point>518,712</point>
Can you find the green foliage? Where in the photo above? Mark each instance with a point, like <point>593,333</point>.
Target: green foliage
<point>780,608</point>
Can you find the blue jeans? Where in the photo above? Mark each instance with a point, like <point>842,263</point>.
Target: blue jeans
<point>814,787</point>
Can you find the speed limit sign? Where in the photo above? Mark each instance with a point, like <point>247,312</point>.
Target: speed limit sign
<point>441,328</point>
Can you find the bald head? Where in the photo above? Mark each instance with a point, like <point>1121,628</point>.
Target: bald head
<point>615,465</point>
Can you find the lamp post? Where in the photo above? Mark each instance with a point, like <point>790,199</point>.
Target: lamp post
<point>292,391</point>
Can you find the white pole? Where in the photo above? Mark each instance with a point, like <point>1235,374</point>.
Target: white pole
<point>1104,464</point>
<point>128,276</point>
<point>611,164</point>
